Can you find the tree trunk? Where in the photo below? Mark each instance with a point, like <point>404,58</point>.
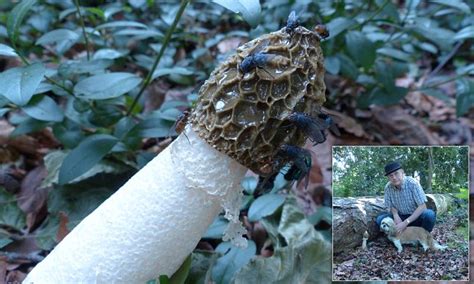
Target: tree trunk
<point>429,178</point>
<point>352,216</point>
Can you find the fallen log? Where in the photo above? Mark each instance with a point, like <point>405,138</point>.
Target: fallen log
<point>352,216</point>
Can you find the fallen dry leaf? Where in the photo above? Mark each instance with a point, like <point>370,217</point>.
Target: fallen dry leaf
<point>62,229</point>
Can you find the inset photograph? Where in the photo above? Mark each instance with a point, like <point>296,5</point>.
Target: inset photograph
<point>400,213</point>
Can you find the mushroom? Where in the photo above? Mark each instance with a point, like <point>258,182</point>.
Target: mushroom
<point>364,240</point>
<point>154,221</point>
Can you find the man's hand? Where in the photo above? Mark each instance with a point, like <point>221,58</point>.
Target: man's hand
<point>401,226</point>
<point>397,219</point>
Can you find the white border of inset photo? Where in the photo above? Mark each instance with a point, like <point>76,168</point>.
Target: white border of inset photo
<point>377,238</point>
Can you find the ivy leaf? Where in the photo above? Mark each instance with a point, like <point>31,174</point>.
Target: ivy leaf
<point>265,205</point>
<point>250,9</point>
<point>217,228</point>
<point>456,4</point>
<point>64,39</point>
<point>305,257</point>
<point>465,97</point>
<point>85,156</point>
<point>332,64</point>
<point>5,50</point>
<point>394,53</point>
<point>338,25</point>
<point>10,213</point>
<point>234,259</point>
<point>122,24</point>
<point>19,84</point>
<point>44,108</point>
<point>467,32</point>
<point>170,71</point>
<point>361,49</point>
<point>106,86</point>
<point>249,184</point>
<point>15,18</point>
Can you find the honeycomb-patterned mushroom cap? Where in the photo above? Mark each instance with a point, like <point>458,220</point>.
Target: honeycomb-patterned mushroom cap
<point>244,114</point>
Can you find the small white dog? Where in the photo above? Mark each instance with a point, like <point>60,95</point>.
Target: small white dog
<point>411,235</point>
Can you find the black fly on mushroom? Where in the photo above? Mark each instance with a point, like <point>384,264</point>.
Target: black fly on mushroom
<point>313,127</point>
<point>253,61</point>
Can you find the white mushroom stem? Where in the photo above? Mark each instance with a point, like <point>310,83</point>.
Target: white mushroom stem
<point>152,223</point>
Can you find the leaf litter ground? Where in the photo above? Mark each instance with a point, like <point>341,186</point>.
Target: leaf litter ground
<point>382,262</point>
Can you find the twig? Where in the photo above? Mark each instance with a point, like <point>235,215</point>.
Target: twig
<point>440,82</point>
<point>15,257</point>
<point>446,59</point>
<point>402,23</point>
<point>26,62</point>
<point>81,21</point>
<point>166,41</point>
<point>373,15</point>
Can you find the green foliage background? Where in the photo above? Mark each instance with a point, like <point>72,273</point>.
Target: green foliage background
<point>359,171</point>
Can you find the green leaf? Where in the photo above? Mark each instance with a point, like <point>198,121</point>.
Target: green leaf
<point>305,258</point>
<point>182,273</point>
<point>265,205</point>
<point>249,184</point>
<point>96,11</point>
<point>467,32</point>
<point>47,232</point>
<point>4,242</point>
<point>250,9</point>
<point>438,36</point>
<point>139,34</point>
<point>44,108</point>
<point>217,228</point>
<point>106,86</point>
<point>79,199</point>
<point>68,133</point>
<point>19,84</point>
<point>5,50</point>
<point>234,259</point>
<point>384,74</point>
<point>54,159</point>
<point>170,114</point>
<point>10,213</point>
<point>437,94</point>
<point>428,47</point>
<point>394,53</point>
<point>63,38</point>
<point>338,25</point>
<point>95,66</point>
<point>124,126</point>
<point>332,64</point>
<point>15,18</point>
<point>168,71</point>
<point>122,24</point>
<point>361,49</point>
<point>153,126</point>
<point>348,67</point>
<point>324,213</point>
<point>85,156</point>
<point>200,271</point>
<point>163,279</point>
<point>465,96</point>
<point>107,53</point>
<point>456,4</point>
<point>3,111</point>
<point>385,97</point>
<point>27,126</point>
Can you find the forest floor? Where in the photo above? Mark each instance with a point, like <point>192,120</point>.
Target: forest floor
<point>380,261</point>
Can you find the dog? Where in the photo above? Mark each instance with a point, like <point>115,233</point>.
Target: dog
<point>411,235</point>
